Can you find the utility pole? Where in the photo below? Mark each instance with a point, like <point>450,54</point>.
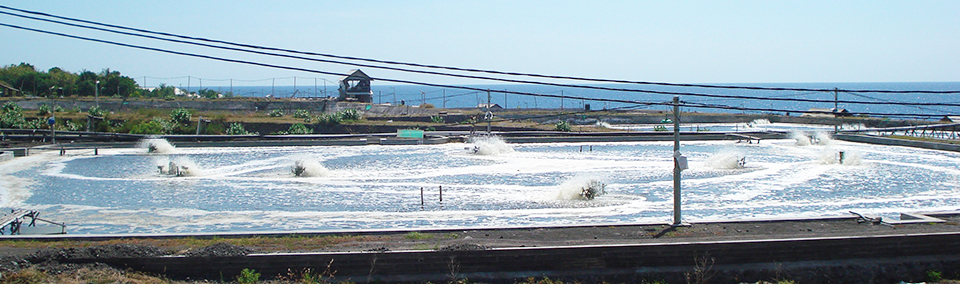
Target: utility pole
<point>188,84</point>
<point>444,92</point>
<point>231,86</point>
<point>488,112</point>
<point>96,92</point>
<point>314,88</point>
<point>677,160</point>
<point>836,109</point>
<point>561,100</point>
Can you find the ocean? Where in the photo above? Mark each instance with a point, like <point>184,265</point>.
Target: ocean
<point>694,98</point>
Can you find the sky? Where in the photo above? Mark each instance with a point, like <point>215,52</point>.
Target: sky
<point>661,41</point>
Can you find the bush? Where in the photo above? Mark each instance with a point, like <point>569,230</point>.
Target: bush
<point>69,125</point>
<point>148,127</point>
<point>180,116</point>
<point>12,107</point>
<point>276,113</point>
<point>301,113</point>
<point>248,276</point>
<point>437,119</point>
<point>12,116</point>
<point>44,110</point>
<point>96,111</point>
<point>562,126</point>
<point>426,105</point>
<point>237,129</point>
<point>329,119</point>
<point>299,128</point>
<point>350,114</point>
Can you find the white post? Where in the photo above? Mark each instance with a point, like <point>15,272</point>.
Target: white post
<point>677,220</point>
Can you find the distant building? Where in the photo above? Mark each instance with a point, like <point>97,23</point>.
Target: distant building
<point>356,87</point>
<point>490,106</point>
<point>8,91</point>
<point>826,112</point>
<point>950,119</point>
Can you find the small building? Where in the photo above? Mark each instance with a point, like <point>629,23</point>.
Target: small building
<point>489,106</point>
<point>826,112</point>
<point>8,91</point>
<point>951,119</point>
<point>356,87</point>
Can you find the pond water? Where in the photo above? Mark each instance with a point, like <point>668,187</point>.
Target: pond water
<point>484,184</point>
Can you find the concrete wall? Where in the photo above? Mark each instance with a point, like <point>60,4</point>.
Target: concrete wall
<point>253,105</point>
<point>882,259</point>
<point>6,155</point>
<point>897,142</point>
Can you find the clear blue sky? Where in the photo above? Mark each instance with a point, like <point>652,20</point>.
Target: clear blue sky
<point>680,42</point>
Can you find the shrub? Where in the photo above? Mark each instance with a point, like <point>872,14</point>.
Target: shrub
<point>299,128</point>
<point>437,119</point>
<point>248,276</point>
<point>237,129</point>
<point>329,119</point>
<point>12,116</point>
<point>180,116</point>
<point>148,127</point>
<point>12,107</point>
<point>350,114</point>
<point>426,105</point>
<point>562,126</point>
<point>276,113</point>
<point>96,111</point>
<point>301,113</point>
<point>73,126</point>
<point>44,110</point>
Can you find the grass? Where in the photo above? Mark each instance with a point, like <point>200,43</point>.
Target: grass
<point>281,243</point>
<point>417,236</point>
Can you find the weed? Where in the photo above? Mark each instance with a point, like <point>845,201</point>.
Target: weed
<point>417,236</point>
<point>248,276</point>
<point>702,272</point>
<point>934,276</point>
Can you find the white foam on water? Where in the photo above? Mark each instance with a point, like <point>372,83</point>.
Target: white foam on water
<point>311,168</point>
<point>572,189</point>
<point>725,160</point>
<point>157,145</point>
<point>490,145</point>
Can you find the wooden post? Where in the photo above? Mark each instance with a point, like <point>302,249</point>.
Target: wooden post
<point>441,193</point>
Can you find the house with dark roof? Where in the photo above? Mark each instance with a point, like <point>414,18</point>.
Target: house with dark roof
<point>356,87</point>
<point>826,112</point>
<point>8,91</point>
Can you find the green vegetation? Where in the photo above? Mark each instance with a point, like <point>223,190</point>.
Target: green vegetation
<point>180,115</point>
<point>248,276</point>
<point>237,129</point>
<point>276,113</point>
<point>562,126</point>
<point>437,119</point>
<point>417,236</point>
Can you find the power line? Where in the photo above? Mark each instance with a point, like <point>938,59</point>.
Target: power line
<point>490,78</point>
<point>503,91</point>
<point>468,69</point>
<point>306,70</point>
<point>692,105</point>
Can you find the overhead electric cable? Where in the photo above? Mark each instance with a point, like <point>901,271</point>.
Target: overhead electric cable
<point>439,85</point>
<point>480,70</point>
<point>498,79</point>
<point>310,70</point>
